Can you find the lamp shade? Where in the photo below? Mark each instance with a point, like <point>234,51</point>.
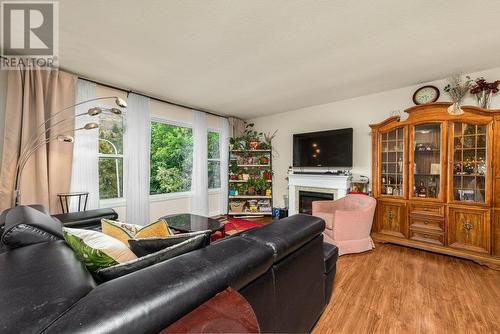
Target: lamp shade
<point>120,102</point>
<point>65,138</point>
<point>94,111</point>
<point>90,126</point>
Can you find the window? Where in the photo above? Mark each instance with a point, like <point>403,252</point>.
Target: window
<point>213,160</point>
<point>110,156</point>
<point>171,158</point>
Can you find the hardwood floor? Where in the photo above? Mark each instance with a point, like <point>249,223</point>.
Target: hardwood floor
<point>395,289</point>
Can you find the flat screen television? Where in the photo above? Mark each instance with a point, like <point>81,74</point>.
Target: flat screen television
<point>330,149</point>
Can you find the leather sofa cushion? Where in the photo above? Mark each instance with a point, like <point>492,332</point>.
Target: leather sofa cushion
<point>288,234</point>
<point>331,254</point>
<point>26,226</point>
<point>148,300</point>
<point>37,284</point>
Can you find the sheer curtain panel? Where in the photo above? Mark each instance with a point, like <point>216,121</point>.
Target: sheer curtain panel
<point>85,173</point>
<point>136,154</point>
<point>199,184</point>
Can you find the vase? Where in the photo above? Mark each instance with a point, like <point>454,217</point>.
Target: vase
<point>484,98</point>
<point>455,109</point>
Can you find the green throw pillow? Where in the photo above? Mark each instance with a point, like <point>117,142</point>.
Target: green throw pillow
<point>97,250</point>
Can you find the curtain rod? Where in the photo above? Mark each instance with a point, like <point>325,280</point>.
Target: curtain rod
<point>148,96</point>
<point>139,93</point>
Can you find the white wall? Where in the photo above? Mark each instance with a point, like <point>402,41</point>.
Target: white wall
<point>3,95</point>
<point>356,113</point>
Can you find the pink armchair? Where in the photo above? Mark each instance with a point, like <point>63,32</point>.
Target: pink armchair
<point>348,222</point>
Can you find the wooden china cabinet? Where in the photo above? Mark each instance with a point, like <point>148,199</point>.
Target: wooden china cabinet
<point>436,181</point>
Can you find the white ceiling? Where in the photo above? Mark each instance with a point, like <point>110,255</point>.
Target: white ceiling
<point>249,58</point>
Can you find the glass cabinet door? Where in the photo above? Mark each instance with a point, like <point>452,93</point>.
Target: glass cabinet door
<point>392,163</point>
<point>469,162</point>
<point>426,161</point>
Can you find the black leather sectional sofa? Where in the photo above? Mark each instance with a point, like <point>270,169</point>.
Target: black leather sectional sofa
<point>283,269</point>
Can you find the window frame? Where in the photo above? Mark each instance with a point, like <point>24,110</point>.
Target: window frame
<point>219,189</point>
<point>113,201</point>
<point>176,195</point>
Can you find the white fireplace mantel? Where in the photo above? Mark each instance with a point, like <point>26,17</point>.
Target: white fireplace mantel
<point>336,184</point>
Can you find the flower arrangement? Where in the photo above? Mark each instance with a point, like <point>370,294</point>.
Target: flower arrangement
<point>483,91</point>
<point>480,84</point>
<point>457,88</point>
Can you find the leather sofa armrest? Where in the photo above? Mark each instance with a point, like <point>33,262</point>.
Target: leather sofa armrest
<point>86,219</point>
<point>25,225</point>
<point>288,234</point>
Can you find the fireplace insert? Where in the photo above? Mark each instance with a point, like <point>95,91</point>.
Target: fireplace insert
<point>307,197</point>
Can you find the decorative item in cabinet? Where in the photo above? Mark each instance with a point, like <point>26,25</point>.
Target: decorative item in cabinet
<point>392,161</point>
<point>470,172</point>
<point>469,229</point>
<point>426,159</point>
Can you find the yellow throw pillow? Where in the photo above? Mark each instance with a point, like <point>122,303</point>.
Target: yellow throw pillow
<point>154,230</point>
<point>118,230</point>
<point>124,232</point>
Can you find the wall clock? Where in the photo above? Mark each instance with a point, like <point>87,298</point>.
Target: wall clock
<point>426,94</point>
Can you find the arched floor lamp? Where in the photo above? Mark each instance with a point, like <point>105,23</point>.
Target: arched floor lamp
<point>39,137</point>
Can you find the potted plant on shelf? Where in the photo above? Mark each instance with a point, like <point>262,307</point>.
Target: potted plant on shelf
<point>264,146</point>
<point>268,175</point>
<point>268,138</point>
<point>263,160</point>
<point>241,160</point>
<point>251,187</point>
<point>234,170</point>
<point>261,186</point>
<point>483,91</point>
<point>251,136</point>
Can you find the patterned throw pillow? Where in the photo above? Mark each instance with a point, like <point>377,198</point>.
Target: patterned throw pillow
<point>97,250</point>
<point>191,244</point>
<point>142,247</point>
<point>124,231</point>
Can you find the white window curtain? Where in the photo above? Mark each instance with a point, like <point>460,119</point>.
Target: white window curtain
<point>136,155</point>
<point>224,163</point>
<point>85,173</point>
<point>199,184</point>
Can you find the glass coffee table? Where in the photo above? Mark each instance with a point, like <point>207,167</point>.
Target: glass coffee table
<point>187,222</point>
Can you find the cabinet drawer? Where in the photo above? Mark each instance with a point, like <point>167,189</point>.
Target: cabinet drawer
<point>427,209</point>
<point>469,229</point>
<point>428,224</point>
<point>424,236</point>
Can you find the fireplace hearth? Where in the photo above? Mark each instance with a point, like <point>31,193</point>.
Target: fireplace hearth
<point>306,198</point>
